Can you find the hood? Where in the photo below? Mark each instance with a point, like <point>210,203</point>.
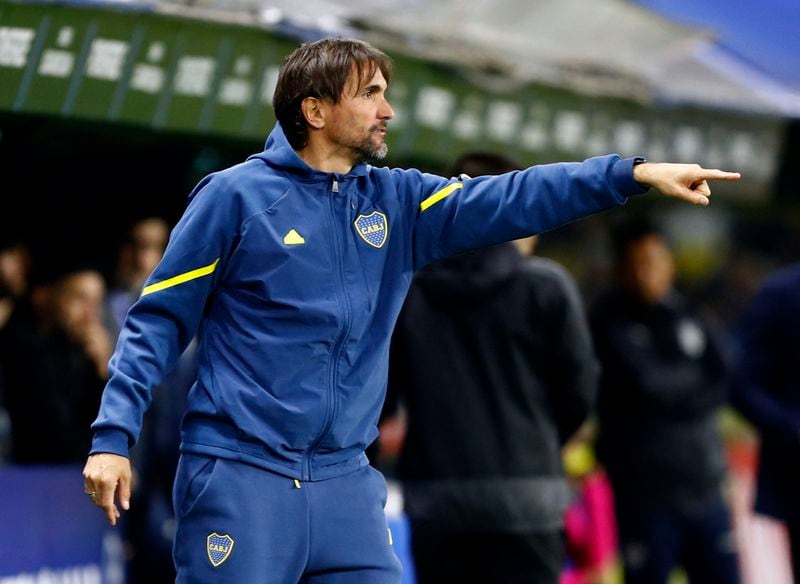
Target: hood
<point>469,277</point>
<point>279,154</point>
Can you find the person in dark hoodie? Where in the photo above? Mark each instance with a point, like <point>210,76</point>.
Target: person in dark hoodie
<point>493,361</point>
<point>664,379</point>
<point>291,268</point>
<point>767,391</point>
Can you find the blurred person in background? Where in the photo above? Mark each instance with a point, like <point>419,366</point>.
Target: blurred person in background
<point>151,526</point>
<point>590,527</point>
<point>664,378</point>
<point>54,357</point>
<point>14,270</point>
<point>493,362</point>
<point>15,265</point>
<point>767,392</point>
<point>137,258</point>
<point>293,267</point>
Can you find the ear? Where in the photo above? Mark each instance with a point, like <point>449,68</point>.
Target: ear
<point>313,112</point>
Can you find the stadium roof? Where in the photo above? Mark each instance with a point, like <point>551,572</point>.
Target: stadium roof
<point>734,55</point>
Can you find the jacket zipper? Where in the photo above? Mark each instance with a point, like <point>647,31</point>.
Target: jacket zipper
<point>341,336</point>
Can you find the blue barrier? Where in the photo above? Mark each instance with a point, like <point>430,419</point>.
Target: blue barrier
<point>51,532</point>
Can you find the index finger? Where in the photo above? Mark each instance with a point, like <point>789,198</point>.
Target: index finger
<point>716,174</point>
<point>105,500</point>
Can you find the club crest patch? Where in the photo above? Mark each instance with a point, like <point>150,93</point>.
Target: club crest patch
<point>373,228</point>
<point>219,548</point>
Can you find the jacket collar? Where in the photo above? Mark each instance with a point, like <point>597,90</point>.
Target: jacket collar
<point>278,153</point>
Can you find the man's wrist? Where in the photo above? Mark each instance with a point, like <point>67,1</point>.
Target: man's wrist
<point>640,167</point>
<point>110,441</point>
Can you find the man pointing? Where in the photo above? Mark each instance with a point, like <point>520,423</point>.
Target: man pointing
<point>292,267</point>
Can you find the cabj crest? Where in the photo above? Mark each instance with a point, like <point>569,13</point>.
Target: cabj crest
<point>373,228</point>
<point>219,548</point>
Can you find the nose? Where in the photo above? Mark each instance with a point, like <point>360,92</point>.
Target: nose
<point>386,112</point>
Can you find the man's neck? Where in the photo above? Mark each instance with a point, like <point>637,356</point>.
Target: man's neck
<point>327,158</point>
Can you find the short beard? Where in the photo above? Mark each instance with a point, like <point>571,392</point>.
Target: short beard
<point>367,151</point>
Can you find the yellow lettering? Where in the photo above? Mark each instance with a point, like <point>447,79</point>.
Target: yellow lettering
<point>371,229</point>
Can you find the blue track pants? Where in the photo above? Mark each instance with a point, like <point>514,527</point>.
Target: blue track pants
<point>239,524</point>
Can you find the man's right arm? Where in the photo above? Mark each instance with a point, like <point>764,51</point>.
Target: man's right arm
<point>158,328</point>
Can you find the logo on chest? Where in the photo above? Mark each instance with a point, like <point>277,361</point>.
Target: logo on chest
<point>373,228</point>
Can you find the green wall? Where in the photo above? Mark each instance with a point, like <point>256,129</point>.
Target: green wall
<point>159,71</point>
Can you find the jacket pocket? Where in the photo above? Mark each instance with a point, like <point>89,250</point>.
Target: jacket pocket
<point>192,480</point>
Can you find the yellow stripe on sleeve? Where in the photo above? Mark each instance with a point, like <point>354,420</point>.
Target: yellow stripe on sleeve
<point>181,278</point>
<point>439,195</point>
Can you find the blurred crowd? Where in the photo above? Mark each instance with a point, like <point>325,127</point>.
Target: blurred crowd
<point>543,428</point>
<point>59,319</point>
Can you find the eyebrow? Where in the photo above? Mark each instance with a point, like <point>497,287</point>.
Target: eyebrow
<point>373,87</point>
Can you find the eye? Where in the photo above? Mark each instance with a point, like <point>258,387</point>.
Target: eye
<point>369,94</point>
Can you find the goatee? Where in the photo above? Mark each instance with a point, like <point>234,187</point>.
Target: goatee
<point>368,151</point>
<point>379,153</point>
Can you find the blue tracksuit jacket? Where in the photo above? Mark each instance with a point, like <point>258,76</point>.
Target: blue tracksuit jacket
<point>294,278</point>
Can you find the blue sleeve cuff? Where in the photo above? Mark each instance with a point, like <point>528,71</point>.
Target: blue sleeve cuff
<point>110,441</point>
<point>622,176</point>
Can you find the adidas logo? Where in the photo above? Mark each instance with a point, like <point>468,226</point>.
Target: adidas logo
<point>293,238</point>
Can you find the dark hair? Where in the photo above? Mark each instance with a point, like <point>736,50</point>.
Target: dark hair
<point>630,230</point>
<point>321,69</point>
<point>483,163</point>
<point>56,268</point>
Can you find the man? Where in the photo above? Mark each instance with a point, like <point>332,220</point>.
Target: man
<point>663,381</point>
<point>293,267</point>
<point>138,256</point>
<point>54,355</point>
<point>14,269</point>
<point>492,358</point>
<point>767,391</point>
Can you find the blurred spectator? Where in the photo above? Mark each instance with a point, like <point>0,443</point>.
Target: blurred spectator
<point>492,359</point>
<point>767,392</point>
<point>138,256</point>
<point>54,356</point>
<point>150,523</point>
<point>14,268</point>
<point>589,523</point>
<point>664,379</point>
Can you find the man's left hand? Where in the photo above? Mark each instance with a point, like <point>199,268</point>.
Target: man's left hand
<point>682,181</point>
